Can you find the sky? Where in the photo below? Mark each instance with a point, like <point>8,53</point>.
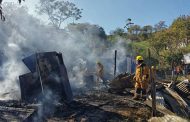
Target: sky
<point>111,14</point>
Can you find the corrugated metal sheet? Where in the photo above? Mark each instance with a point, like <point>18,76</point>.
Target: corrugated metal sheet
<point>183,89</point>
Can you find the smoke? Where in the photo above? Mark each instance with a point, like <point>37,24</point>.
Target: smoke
<point>47,106</point>
<point>81,44</point>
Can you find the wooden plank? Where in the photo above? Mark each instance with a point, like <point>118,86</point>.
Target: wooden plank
<point>115,63</point>
<point>160,108</point>
<point>153,86</point>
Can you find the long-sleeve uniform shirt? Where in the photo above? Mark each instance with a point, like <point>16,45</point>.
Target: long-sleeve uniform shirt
<point>141,76</point>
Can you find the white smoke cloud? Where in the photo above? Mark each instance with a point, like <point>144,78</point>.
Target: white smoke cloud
<point>22,35</point>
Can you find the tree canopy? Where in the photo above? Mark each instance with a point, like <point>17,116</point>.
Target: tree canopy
<point>167,43</point>
<point>58,11</point>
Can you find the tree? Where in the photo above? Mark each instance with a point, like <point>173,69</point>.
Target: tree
<point>134,29</point>
<point>148,29</point>
<point>1,11</point>
<point>118,31</point>
<point>133,32</point>
<point>93,36</point>
<point>175,58</point>
<point>58,11</point>
<point>146,32</point>
<point>182,26</point>
<point>128,23</point>
<point>160,26</point>
<point>168,42</point>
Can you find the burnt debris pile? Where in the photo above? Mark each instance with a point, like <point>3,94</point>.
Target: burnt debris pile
<point>48,73</point>
<point>46,95</point>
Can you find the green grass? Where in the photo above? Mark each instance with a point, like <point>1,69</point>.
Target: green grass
<point>142,44</point>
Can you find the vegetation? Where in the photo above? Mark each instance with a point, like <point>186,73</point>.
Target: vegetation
<point>167,44</point>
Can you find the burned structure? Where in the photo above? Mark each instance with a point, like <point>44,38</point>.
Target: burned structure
<point>48,73</point>
<point>121,82</point>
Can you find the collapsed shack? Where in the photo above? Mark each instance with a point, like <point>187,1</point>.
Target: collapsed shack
<point>48,74</point>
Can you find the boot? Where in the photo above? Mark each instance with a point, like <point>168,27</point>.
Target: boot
<point>143,94</point>
<point>137,94</point>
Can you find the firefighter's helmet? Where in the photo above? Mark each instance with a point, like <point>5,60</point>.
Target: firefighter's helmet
<point>139,58</point>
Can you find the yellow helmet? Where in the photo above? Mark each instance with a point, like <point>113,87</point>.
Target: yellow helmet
<point>139,58</point>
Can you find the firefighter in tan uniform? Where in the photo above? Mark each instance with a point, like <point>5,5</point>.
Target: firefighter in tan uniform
<point>141,79</point>
<point>100,72</point>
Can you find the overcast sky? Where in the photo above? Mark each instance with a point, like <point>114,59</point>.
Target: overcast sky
<point>111,14</point>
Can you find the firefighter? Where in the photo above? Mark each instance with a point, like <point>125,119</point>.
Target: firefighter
<point>141,79</point>
<point>99,71</point>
